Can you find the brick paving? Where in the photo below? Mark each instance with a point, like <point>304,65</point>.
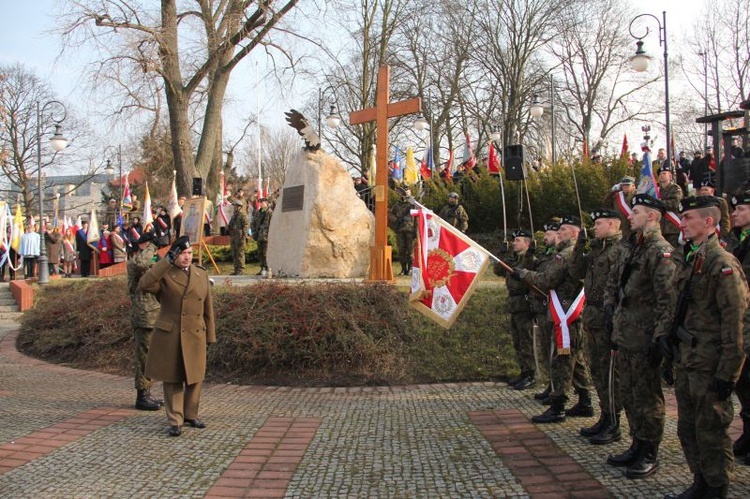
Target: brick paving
<point>442,440</point>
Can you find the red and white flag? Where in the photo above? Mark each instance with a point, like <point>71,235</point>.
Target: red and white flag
<point>148,218</point>
<point>469,160</point>
<point>493,162</point>
<point>173,207</point>
<point>447,266</point>
<point>222,200</point>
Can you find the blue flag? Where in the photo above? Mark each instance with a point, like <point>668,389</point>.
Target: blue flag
<point>646,183</point>
<point>398,167</point>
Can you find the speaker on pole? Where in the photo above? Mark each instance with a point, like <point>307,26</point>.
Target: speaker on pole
<point>198,186</point>
<point>515,162</point>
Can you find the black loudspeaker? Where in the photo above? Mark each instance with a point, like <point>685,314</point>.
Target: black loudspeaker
<point>515,162</point>
<point>198,187</point>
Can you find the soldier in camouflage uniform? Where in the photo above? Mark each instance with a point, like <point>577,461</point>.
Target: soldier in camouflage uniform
<point>707,370</point>
<point>595,268</point>
<point>670,194</point>
<point>238,226</point>
<point>538,305</point>
<point>517,305</point>
<point>568,366</point>
<point>260,224</point>
<point>738,243</point>
<point>405,228</point>
<point>143,313</point>
<point>639,297</point>
<point>454,213</point>
<point>612,202</point>
<point>708,188</point>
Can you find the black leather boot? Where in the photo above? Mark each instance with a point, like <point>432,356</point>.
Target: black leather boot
<point>628,457</point>
<point>144,402</point>
<point>741,446</point>
<point>555,413</point>
<point>583,408</point>
<point>716,492</point>
<point>597,427</point>
<point>647,463</point>
<point>526,381</point>
<point>610,433</point>
<point>543,395</point>
<point>696,491</point>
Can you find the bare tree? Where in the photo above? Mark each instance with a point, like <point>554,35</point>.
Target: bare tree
<point>279,147</point>
<point>189,47</point>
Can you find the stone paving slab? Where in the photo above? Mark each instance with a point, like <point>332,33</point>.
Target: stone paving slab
<point>427,441</point>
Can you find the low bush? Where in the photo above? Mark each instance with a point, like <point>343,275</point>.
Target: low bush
<point>282,333</point>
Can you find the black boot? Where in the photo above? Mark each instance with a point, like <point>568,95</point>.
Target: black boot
<point>512,381</point>
<point>144,402</point>
<point>647,463</point>
<point>741,446</point>
<point>526,381</point>
<point>696,491</point>
<point>597,427</point>
<point>543,395</point>
<point>628,457</point>
<point>555,413</point>
<point>610,433</point>
<point>716,492</point>
<point>583,408</point>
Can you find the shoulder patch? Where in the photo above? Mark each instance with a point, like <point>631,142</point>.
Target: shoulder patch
<point>727,271</point>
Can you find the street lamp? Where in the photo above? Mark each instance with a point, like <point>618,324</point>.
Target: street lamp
<point>58,143</point>
<point>704,55</point>
<point>640,61</point>
<point>333,120</point>
<point>536,110</point>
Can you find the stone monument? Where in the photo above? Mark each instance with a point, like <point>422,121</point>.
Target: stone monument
<point>320,227</point>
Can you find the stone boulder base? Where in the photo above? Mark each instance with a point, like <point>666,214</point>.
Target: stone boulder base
<point>332,233</point>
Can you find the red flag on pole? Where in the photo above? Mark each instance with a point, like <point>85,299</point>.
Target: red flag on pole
<point>624,151</point>
<point>469,160</point>
<point>447,266</point>
<point>493,163</point>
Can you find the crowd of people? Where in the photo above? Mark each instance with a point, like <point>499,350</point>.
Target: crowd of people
<point>646,296</point>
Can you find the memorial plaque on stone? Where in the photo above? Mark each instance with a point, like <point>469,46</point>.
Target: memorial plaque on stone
<point>293,198</point>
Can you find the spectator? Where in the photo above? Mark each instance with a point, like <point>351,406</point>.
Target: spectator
<point>69,252</point>
<point>53,245</point>
<point>29,250</point>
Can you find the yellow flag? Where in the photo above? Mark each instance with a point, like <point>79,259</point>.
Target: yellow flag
<point>15,243</point>
<point>373,166</point>
<point>411,174</point>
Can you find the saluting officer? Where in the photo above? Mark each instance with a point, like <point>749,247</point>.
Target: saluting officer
<point>595,268</point>
<point>709,346</point>
<point>639,297</point>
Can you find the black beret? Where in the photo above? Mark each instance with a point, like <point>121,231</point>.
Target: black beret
<point>648,201</point>
<point>695,202</point>
<point>180,244</point>
<point>666,167</point>
<point>555,226</point>
<point>743,198</point>
<point>627,180</point>
<point>707,180</point>
<point>146,237</point>
<point>603,213</point>
<point>521,233</point>
<point>571,220</point>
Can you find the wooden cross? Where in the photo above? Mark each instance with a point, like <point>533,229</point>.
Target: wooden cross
<point>381,268</point>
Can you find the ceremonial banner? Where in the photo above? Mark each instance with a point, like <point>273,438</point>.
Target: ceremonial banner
<point>147,220</point>
<point>411,175</point>
<point>469,160</point>
<point>93,234</point>
<point>493,163</point>
<point>173,207</point>
<point>646,183</point>
<point>447,266</point>
<point>127,201</point>
<point>221,200</point>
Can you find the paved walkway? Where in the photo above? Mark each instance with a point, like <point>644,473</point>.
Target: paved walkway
<point>66,433</point>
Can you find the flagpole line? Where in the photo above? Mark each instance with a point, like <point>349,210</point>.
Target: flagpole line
<point>504,265</point>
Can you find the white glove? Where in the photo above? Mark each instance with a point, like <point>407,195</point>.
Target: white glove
<point>616,188</point>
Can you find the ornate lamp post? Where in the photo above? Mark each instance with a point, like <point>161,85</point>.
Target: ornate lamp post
<point>333,120</point>
<point>536,110</point>
<point>58,143</point>
<point>640,61</point>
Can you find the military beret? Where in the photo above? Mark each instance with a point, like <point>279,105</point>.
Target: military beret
<point>403,191</point>
<point>554,226</point>
<point>180,244</point>
<point>521,233</point>
<point>743,198</point>
<point>627,180</point>
<point>146,237</point>
<point>571,220</point>
<point>647,201</point>
<point>603,213</point>
<point>695,202</point>
<point>666,167</point>
<point>707,180</point>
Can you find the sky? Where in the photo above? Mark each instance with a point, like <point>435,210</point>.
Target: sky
<point>24,39</point>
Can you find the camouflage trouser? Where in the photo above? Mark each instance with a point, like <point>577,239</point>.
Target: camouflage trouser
<point>570,368</point>
<point>142,341</point>
<point>521,324</point>
<point>544,341</point>
<point>743,391</point>
<point>262,248</point>
<point>703,427</point>
<point>238,252</point>
<point>405,244</point>
<point>641,395</point>
<point>600,356</point>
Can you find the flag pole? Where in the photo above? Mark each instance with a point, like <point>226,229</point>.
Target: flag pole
<point>504,265</point>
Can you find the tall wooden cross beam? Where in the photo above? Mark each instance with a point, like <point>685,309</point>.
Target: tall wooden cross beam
<point>381,268</point>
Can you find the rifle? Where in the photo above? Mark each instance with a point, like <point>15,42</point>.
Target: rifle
<point>678,334</point>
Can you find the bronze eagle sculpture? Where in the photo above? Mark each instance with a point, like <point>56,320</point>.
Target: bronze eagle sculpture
<point>297,121</point>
